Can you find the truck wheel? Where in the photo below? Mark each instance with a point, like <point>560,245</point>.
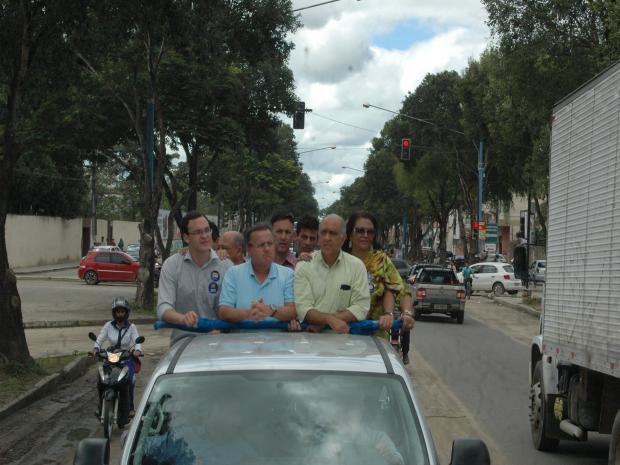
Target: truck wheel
<point>91,277</point>
<point>614,444</point>
<point>539,412</point>
<point>498,289</point>
<point>460,316</point>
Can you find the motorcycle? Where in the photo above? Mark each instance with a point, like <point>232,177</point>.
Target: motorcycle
<point>114,380</point>
<point>400,339</point>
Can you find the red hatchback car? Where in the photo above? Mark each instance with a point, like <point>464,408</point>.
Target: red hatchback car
<point>103,265</point>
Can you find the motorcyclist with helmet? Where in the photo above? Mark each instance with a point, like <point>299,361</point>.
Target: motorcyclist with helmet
<point>120,333</point>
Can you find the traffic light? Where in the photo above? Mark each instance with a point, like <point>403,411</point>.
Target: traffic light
<point>299,117</point>
<point>405,149</point>
<point>474,232</point>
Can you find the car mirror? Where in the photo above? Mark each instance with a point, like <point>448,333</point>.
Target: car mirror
<point>469,452</point>
<point>92,451</point>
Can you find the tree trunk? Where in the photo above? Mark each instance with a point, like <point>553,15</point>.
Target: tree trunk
<point>461,221</point>
<point>192,165</point>
<point>542,221</point>
<point>13,346</point>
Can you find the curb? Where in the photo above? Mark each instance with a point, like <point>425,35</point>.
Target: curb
<point>46,278</point>
<point>79,323</point>
<point>71,371</point>
<point>46,270</point>
<point>516,306</point>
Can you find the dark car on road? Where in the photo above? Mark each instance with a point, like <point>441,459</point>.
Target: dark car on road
<point>104,265</point>
<point>402,267</point>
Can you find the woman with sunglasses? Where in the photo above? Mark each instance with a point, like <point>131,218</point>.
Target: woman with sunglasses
<point>387,288</point>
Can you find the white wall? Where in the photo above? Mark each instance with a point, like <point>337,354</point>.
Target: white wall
<point>128,230</point>
<point>42,240</point>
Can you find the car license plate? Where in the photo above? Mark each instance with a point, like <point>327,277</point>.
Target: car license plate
<point>441,307</point>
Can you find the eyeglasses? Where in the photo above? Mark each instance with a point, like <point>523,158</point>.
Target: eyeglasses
<point>262,245</point>
<point>199,232</point>
<point>364,231</point>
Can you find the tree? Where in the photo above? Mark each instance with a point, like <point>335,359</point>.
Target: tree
<point>543,51</point>
<point>33,59</point>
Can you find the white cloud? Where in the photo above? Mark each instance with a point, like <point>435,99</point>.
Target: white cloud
<point>338,65</point>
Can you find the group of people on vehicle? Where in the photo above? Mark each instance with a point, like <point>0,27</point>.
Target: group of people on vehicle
<point>255,276</point>
<point>347,279</point>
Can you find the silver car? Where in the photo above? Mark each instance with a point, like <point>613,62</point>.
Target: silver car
<point>280,398</point>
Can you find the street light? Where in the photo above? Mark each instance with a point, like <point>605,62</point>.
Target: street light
<point>350,168</point>
<point>331,147</point>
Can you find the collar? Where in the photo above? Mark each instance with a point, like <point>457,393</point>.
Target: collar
<point>126,325</point>
<point>290,261</point>
<point>212,256</point>
<point>273,270</point>
<point>322,260</point>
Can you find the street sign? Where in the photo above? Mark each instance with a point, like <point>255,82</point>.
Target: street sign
<point>490,247</point>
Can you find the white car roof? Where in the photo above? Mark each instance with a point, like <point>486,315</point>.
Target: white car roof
<point>271,350</point>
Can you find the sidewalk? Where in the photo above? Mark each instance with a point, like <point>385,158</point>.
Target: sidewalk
<point>515,303</point>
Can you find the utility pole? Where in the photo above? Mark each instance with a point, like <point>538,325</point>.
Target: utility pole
<point>480,184</point>
<point>93,204</point>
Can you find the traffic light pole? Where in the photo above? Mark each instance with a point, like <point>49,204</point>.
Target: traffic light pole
<point>480,184</point>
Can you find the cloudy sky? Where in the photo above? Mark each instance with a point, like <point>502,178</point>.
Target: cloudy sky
<point>370,51</point>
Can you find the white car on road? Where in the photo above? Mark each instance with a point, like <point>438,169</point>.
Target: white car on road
<point>497,277</point>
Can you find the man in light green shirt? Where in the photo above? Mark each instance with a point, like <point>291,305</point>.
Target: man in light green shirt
<point>331,289</point>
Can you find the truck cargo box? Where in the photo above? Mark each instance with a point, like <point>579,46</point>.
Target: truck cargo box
<point>581,324</point>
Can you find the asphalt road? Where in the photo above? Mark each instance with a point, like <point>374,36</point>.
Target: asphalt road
<point>54,300</point>
<point>484,363</point>
<point>471,380</point>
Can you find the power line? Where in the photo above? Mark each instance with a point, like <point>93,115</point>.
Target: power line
<point>341,122</point>
<point>315,5</point>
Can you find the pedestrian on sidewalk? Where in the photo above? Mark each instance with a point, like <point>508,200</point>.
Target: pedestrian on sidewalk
<point>121,244</point>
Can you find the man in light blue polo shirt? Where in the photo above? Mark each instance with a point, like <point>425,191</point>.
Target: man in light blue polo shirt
<point>259,288</point>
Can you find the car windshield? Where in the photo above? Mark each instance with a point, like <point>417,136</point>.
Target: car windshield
<point>542,264</point>
<point>269,417</point>
<point>508,269</point>
<point>430,276</point>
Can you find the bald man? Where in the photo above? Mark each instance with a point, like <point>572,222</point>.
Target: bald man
<point>331,289</point>
<point>231,247</point>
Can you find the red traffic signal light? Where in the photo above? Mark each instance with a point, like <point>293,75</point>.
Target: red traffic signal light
<point>405,150</point>
<point>476,225</point>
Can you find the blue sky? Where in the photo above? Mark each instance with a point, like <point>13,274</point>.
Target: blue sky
<point>376,51</point>
<point>406,33</point>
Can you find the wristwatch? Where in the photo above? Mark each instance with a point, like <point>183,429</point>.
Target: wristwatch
<point>273,308</point>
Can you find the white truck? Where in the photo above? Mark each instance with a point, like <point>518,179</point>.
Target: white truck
<point>575,361</point>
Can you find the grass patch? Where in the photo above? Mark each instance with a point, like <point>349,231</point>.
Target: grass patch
<point>15,378</point>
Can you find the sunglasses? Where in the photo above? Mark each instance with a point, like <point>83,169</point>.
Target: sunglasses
<point>364,231</point>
